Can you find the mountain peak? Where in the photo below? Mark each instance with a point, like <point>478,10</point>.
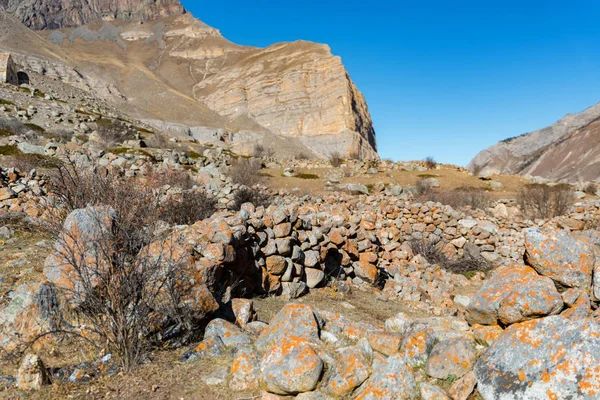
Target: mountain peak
<point>55,14</point>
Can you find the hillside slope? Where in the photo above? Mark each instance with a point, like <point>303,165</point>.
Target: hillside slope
<point>567,151</point>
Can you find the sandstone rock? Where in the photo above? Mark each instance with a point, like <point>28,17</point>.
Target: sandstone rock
<point>290,367</point>
<point>552,357</point>
<point>454,357</point>
<point>555,254</point>
<point>32,374</point>
<point>513,294</point>
<point>243,310</point>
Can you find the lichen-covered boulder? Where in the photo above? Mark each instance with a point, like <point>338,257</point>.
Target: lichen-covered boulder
<point>548,358</point>
<point>32,374</point>
<point>560,256</point>
<point>78,252</point>
<point>392,378</point>
<point>291,366</point>
<point>454,357</point>
<point>32,311</point>
<point>514,294</point>
<point>292,320</point>
<point>351,368</point>
<point>230,334</point>
<point>245,371</point>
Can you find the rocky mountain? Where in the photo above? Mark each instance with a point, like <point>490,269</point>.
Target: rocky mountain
<point>294,97</point>
<point>53,14</point>
<point>567,151</point>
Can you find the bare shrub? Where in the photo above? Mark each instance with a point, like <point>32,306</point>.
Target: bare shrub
<point>125,287</point>
<point>177,178</point>
<point>27,162</point>
<point>539,201</point>
<point>302,156</point>
<point>355,155</point>
<point>246,172</point>
<point>336,159</point>
<point>13,126</point>
<point>433,251</point>
<point>423,187</point>
<point>249,195</point>
<point>465,196</point>
<point>114,132</point>
<point>259,150</point>
<point>188,208</point>
<point>591,188</point>
<point>430,163</point>
<point>60,134</point>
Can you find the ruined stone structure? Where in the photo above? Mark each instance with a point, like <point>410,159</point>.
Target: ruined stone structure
<point>8,69</point>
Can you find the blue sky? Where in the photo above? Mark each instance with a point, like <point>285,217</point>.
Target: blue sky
<point>441,78</point>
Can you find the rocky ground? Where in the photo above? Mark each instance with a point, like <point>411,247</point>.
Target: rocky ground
<point>357,280</point>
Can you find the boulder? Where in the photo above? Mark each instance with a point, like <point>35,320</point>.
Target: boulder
<point>552,357</point>
<point>351,368</point>
<point>454,357</point>
<point>290,366</point>
<point>32,374</point>
<point>559,256</point>
<point>304,326</point>
<point>513,294</point>
<point>392,378</point>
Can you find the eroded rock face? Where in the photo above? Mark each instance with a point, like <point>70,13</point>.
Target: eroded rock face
<point>550,358</point>
<point>52,14</point>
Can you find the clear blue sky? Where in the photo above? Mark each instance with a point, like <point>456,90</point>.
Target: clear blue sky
<point>441,78</point>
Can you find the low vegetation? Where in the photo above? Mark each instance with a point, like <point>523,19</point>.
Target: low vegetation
<point>433,251</point>
<point>249,195</point>
<point>336,159</point>
<point>538,201</point>
<point>430,163</point>
<point>188,208</point>
<point>246,172</point>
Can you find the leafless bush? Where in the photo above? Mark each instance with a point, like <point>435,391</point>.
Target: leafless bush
<point>60,134</point>
<point>188,208</point>
<point>336,159</point>
<point>248,195</point>
<point>423,187</point>
<point>114,132</point>
<point>26,162</point>
<point>433,251</point>
<point>465,196</point>
<point>591,188</point>
<point>430,163</point>
<point>302,156</point>
<point>129,280</point>
<point>355,155</point>
<point>13,126</point>
<point>543,201</point>
<point>173,177</point>
<point>262,151</point>
<point>245,172</point>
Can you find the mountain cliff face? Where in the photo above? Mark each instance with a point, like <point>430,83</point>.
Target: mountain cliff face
<point>567,151</point>
<point>53,14</point>
<point>297,91</point>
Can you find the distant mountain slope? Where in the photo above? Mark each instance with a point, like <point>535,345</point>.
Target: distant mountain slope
<point>568,151</point>
<point>53,14</point>
<point>171,69</point>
